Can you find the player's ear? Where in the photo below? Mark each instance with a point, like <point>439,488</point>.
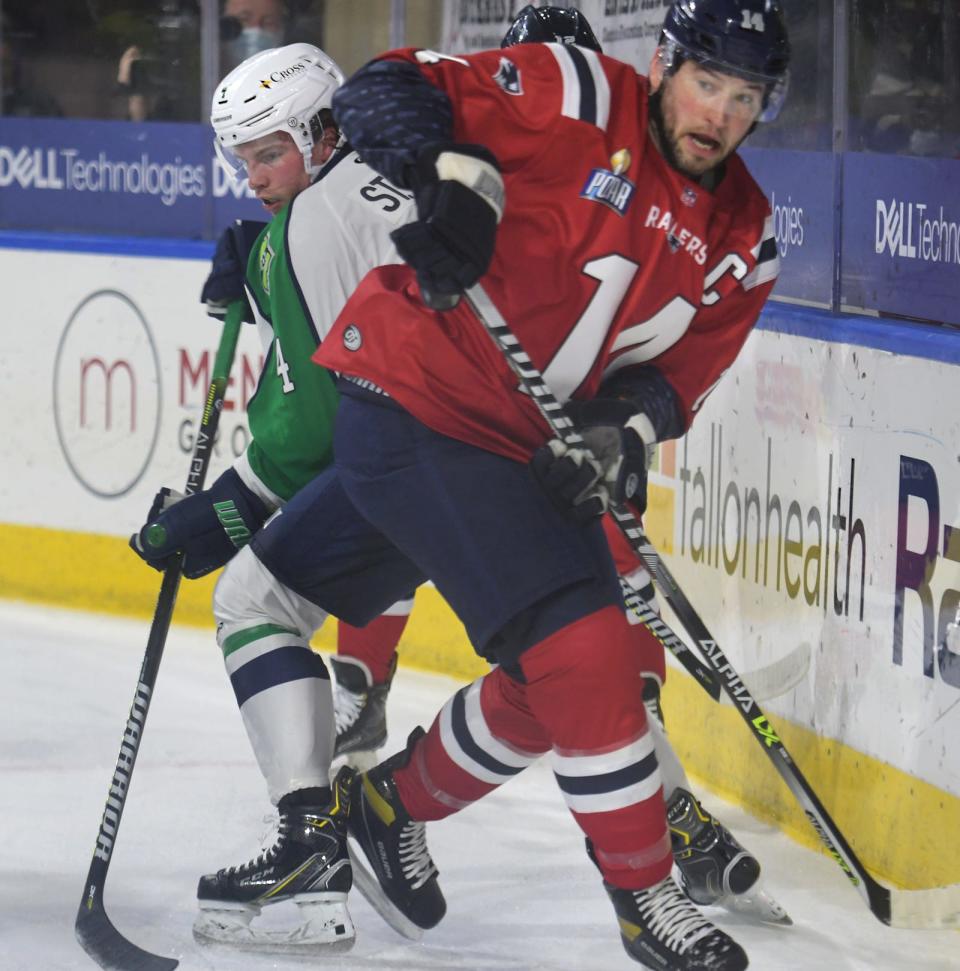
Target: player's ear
<point>324,146</point>
<point>656,69</point>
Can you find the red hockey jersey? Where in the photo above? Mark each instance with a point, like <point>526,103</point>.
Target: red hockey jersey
<point>606,258</point>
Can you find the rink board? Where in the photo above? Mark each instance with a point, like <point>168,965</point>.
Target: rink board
<point>814,500</point>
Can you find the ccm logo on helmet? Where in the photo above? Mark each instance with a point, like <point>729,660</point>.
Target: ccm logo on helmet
<point>277,76</point>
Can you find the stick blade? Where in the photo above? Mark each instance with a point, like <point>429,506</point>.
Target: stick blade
<point>936,908</point>
<point>779,677</point>
<point>108,947</point>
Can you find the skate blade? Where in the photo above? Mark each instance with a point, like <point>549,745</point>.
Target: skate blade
<point>758,904</point>
<point>372,892</point>
<point>325,927</point>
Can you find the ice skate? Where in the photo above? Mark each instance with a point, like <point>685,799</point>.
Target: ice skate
<point>361,712</point>
<point>401,882</point>
<point>714,869</point>
<point>660,928</point>
<point>308,865</point>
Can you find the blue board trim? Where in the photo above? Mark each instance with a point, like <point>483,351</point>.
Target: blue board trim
<point>926,341</point>
<point>171,249</point>
<point>882,333</point>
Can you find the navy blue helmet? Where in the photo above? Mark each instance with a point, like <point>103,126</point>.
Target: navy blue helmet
<point>561,25</point>
<point>747,38</point>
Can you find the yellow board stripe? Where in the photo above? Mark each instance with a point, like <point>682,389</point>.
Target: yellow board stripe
<point>87,571</point>
<point>900,827</point>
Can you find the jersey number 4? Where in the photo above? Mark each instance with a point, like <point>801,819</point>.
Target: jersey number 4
<point>283,369</point>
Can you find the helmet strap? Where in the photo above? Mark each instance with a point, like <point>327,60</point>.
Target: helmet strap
<point>323,130</point>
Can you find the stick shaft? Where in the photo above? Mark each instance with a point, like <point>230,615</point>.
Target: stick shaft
<point>876,896</point>
<point>98,940</point>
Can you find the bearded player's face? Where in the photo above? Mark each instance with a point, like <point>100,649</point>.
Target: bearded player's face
<point>705,114</point>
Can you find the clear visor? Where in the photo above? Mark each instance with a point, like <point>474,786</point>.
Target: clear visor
<point>268,150</point>
<point>771,98</point>
<point>232,164</point>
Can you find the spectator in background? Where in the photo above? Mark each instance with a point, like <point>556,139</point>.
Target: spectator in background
<point>250,26</point>
<point>162,82</point>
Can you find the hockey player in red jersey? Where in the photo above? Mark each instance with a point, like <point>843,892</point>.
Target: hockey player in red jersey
<point>713,868</point>
<point>615,228</point>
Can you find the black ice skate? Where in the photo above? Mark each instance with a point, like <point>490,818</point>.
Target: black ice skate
<point>713,867</point>
<point>661,929</point>
<point>307,864</point>
<point>403,885</point>
<point>361,712</point>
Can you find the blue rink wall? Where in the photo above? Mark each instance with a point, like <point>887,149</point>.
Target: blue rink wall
<point>816,499</point>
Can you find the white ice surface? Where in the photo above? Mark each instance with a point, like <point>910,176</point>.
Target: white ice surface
<point>520,890</point>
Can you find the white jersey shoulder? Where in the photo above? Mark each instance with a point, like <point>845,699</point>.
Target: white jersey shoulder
<point>338,230</point>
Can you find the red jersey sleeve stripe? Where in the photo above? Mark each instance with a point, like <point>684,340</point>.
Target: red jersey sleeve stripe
<point>768,260</point>
<point>586,91</point>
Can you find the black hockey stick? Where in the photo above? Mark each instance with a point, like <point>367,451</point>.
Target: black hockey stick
<point>97,935</point>
<point>938,907</point>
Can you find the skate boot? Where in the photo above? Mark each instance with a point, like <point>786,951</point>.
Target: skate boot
<point>402,886</point>
<point>712,864</point>
<point>307,864</point>
<point>361,712</point>
<point>661,929</point>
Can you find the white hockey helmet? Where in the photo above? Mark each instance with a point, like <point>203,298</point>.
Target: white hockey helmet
<point>281,89</point>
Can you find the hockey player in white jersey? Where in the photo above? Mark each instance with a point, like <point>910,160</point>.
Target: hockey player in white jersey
<point>332,217</point>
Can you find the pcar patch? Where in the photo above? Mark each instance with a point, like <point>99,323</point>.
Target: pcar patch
<point>614,191</point>
<point>508,76</point>
<point>610,186</point>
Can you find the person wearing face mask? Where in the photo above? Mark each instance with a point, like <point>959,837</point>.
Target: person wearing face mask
<point>161,80</point>
<point>248,27</point>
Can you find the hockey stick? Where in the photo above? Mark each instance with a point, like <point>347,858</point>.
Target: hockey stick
<point>769,681</point>
<point>662,632</point>
<point>938,907</point>
<point>96,934</point>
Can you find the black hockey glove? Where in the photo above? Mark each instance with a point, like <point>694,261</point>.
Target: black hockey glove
<point>209,526</point>
<point>459,194</point>
<point>229,268</point>
<point>617,472</point>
